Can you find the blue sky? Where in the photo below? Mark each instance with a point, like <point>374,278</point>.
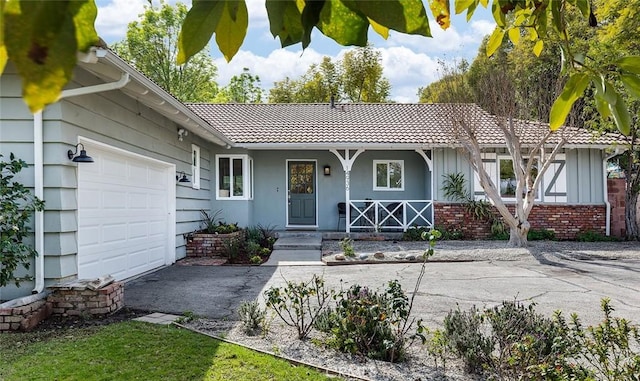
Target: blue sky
<point>409,62</point>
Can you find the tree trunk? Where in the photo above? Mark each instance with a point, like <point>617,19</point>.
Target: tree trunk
<point>630,217</point>
<point>518,236</point>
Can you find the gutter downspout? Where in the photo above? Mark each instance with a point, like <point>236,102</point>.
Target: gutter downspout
<point>605,188</point>
<point>38,164</point>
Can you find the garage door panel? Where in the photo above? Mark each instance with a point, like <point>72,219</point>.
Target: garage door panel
<point>122,215</point>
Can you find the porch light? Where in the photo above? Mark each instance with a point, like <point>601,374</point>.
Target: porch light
<point>82,157</point>
<point>183,178</point>
<point>327,170</point>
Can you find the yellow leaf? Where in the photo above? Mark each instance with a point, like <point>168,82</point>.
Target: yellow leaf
<point>485,3</point>
<point>3,48</point>
<point>537,48</point>
<point>514,35</point>
<point>495,41</point>
<point>231,30</point>
<point>572,91</point>
<point>440,10</point>
<point>380,29</point>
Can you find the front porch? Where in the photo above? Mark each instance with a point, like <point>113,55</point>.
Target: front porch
<point>386,215</point>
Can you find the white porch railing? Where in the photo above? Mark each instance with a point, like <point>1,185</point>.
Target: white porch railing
<point>389,215</point>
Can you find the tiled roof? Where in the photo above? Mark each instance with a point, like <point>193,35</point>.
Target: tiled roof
<point>359,124</point>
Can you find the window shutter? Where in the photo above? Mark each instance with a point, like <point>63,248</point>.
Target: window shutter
<point>490,165</point>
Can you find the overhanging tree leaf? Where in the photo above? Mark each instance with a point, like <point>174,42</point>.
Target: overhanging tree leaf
<point>572,91</point>
<point>285,21</point>
<point>232,28</point>
<point>440,10</point>
<point>632,83</point>
<point>537,48</point>
<point>383,31</point>
<point>461,5</point>
<point>41,39</point>
<point>514,35</point>
<point>310,18</point>
<point>620,115</point>
<point>3,48</point>
<point>198,27</point>
<point>630,64</point>
<point>495,41</point>
<point>343,25</point>
<point>406,16</point>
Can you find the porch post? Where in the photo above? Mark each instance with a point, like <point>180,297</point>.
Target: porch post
<point>347,163</point>
<point>429,162</point>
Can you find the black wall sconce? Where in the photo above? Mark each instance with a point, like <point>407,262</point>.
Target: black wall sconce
<point>82,158</point>
<point>327,170</point>
<point>183,178</point>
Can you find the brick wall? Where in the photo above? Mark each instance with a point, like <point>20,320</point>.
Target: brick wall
<point>210,245</point>
<point>81,301</point>
<point>25,317</point>
<point>617,190</point>
<point>565,220</point>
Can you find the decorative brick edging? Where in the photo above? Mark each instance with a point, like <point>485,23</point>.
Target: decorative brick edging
<point>74,301</point>
<point>26,316</point>
<point>210,245</point>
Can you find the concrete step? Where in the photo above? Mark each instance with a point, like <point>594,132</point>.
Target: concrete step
<point>295,258</point>
<point>298,233</point>
<point>299,243</point>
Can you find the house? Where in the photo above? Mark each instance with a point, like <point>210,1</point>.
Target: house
<point>157,162</point>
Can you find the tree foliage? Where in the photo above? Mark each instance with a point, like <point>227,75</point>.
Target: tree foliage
<point>243,88</point>
<point>42,38</point>
<point>17,205</point>
<point>358,77</point>
<point>151,45</point>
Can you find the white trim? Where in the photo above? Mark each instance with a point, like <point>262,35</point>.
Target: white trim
<point>388,188</point>
<point>170,255</point>
<point>247,176</point>
<point>195,166</point>
<point>286,204</point>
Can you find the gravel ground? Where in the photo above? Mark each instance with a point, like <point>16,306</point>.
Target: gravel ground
<point>281,339</point>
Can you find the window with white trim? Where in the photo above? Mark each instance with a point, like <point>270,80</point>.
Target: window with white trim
<point>233,177</point>
<point>388,175</point>
<point>195,166</point>
<point>507,178</point>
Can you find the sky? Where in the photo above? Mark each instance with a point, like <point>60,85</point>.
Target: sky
<point>409,62</point>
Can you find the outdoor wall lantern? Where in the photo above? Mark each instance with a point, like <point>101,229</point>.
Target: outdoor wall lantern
<point>327,170</point>
<point>82,158</point>
<point>183,178</point>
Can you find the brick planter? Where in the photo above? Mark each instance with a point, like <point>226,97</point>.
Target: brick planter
<point>75,301</point>
<point>25,315</point>
<point>210,245</point>
<point>565,220</point>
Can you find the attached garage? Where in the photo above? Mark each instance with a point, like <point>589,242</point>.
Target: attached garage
<point>126,213</point>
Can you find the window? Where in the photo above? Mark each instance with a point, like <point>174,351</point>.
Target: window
<point>233,178</point>
<point>507,180</point>
<point>388,175</point>
<point>195,166</point>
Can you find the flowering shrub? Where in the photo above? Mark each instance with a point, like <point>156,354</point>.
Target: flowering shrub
<point>17,205</point>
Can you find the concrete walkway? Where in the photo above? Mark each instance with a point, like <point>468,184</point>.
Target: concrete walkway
<point>553,280</point>
<point>297,249</point>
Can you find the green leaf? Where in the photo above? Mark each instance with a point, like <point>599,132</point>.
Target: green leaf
<point>630,64</point>
<point>632,83</point>
<point>572,91</point>
<point>620,115</point>
<point>471,10</point>
<point>461,5</point>
<point>514,35</point>
<point>3,48</point>
<point>232,28</point>
<point>198,27</point>
<point>584,7</point>
<point>537,48</point>
<point>310,18</point>
<point>404,16</point>
<point>495,41</point>
<point>42,40</point>
<point>285,19</point>
<point>498,16</point>
<point>556,13</point>
<point>343,25</point>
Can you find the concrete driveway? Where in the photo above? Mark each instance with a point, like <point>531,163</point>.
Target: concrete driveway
<point>552,280</point>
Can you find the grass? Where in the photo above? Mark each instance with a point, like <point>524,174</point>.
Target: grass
<point>137,351</point>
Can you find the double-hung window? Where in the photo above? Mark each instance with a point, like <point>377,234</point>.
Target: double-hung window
<point>233,179</point>
<point>195,166</point>
<point>388,175</point>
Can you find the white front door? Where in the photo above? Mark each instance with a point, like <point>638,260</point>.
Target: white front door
<point>125,216</point>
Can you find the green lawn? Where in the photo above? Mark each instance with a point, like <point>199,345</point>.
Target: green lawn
<point>136,351</point>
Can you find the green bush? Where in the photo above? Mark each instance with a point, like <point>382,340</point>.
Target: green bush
<point>463,331</point>
<point>592,236</point>
<point>541,235</point>
<point>17,205</point>
<point>299,304</point>
<point>210,223</point>
<point>253,317</point>
<point>346,244</point>
<point>253,248</point>
<point>414,233</point>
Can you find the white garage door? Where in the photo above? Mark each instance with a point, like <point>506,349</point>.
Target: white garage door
<point>124,214</point>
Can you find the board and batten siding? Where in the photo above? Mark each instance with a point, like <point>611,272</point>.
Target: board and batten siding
<point>583,173</point>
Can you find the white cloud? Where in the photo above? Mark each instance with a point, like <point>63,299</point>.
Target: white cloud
<point>407,71</point>
<point>483,27</point>
<point>114,16</point>
<point>257,14</point>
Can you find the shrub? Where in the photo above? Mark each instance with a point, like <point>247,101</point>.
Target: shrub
<point>347,247</point>
<point>233,248</point>
<point>541,235</point>
<point>592,236</point>
<point>210,223</point>
<point>253,248</point>
<point>414,233</point>
<point>299,304</point>
<point>253,317</point>
<point>464,334</point>
<point>256,259</point>
<point>17,205</point>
